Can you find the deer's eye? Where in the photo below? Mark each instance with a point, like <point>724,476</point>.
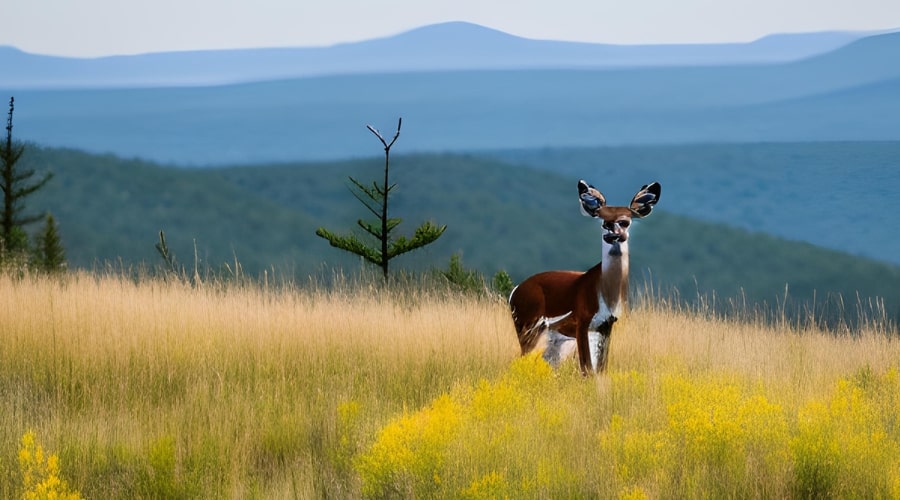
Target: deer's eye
<point>608,225</point>
<point>624,223</point>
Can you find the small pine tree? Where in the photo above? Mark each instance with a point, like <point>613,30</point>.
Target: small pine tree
<point>51,256</point>
<point>468,280</point>
<point>375,199</point>
<point>472,281</point>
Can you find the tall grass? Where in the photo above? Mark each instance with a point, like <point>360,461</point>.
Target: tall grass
<point>155,388</point>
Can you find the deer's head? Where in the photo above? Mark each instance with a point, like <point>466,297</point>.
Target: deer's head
<point>617,220</point>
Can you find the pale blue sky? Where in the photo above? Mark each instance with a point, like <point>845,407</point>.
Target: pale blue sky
<point>89,28</point>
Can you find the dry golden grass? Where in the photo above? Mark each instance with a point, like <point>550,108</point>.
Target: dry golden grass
<point>103,365</point>
<point>797,363</point>
<point>149,388</point>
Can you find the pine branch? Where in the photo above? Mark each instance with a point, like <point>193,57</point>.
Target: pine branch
<point>370,228</point>
<point>387,146</point>
<point>368,204</point>
<point>376,230</point>
<point>351,244</point>
<point>424,234</point>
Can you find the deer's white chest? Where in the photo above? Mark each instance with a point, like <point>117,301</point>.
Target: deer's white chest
<point>604,313</point>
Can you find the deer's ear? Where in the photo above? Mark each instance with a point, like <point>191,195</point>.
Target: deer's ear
<point>643,201</point>
<point>591,199</point>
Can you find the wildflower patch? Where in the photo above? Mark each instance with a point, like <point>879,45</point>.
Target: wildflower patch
<point>497,439</point>
<point>40,472</point>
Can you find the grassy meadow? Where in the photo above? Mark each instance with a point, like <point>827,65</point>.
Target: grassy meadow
<point>154,388</point>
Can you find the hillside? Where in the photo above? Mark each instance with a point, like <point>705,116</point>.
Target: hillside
<point>499,216</point>
<point>848,94</point>
<point>838,195</point>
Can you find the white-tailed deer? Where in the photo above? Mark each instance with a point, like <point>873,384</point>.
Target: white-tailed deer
<point>575,310</point>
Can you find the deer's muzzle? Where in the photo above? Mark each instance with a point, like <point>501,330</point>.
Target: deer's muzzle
<point>614,238</point>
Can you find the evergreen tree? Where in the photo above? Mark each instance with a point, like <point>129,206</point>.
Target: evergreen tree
<point>375,199</point>
<point>15,185</point>
<point>469,280</point>
<point>50,254</point>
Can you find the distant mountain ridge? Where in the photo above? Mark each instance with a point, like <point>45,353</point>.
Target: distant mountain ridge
<point>848,94</point>
<point>449,46</point>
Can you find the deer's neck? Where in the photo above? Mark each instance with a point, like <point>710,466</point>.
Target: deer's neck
<point>612,289</point>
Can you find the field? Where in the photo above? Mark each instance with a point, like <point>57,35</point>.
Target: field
<point>154,388</point>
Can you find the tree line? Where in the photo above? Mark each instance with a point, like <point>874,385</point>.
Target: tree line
<point>45,251</point>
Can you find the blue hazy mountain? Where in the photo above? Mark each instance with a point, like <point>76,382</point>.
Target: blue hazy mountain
<point>441,47</point>
<point>851,93</point>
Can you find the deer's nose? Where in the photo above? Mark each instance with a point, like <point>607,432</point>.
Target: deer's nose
<point>613,237</point>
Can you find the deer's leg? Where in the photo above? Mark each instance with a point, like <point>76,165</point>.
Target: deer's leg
<point>600,344</point>
<point>529,337</point>
<point>559,347</point>
<point>584,350</point>
<point>595,346</point>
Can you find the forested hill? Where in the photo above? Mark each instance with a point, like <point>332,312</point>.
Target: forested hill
<point>499,216</point>
<point>839,195</point>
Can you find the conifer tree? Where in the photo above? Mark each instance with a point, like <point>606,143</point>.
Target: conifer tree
<point>15,185</point>
<point>50,254</point>
<point>375,199</point>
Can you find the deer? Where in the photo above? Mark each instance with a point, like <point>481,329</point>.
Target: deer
<point>575,311</point>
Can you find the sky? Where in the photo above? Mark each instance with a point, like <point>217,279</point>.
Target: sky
<point>93,28</point>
